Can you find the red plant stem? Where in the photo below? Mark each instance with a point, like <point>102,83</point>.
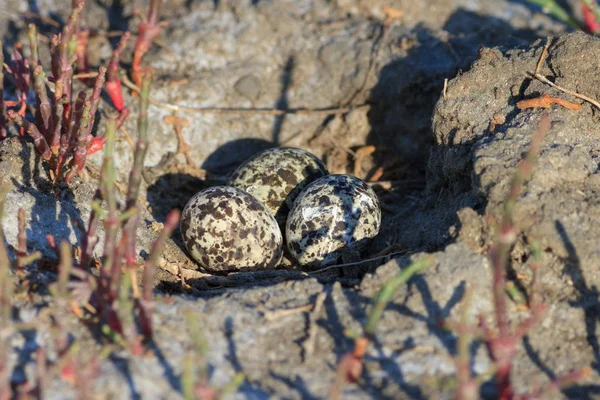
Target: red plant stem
<point>111,269</point>
<point>45,109</point>
<point>67,47</point>
<point>113,86</point>
<point>148,31</point>
<point>108,193</point>
<point>21,239</point>
<point>591,22</point>
<point>113,65</point>
<point>6,309</point>
<point>80,153</point>
<point>2,105</point>
<point>146,307</point>
<point>64,138</point>
<point>467,388</point>
<point>122,117</point>
<point>112,262</point>
<point>55,60</point>
<point>58,126</point>
<point>40,143</point>
<point>95,97</point>
<point>504,346</point>
<point>81,53</point>
<point>74,5</point>
<point>21,73</point>
<point>97,143</point>
<point>153,12</point>
<point>135,176</point>
<point>74,119</point>
<point>51,240</point>
<point>90,239</point>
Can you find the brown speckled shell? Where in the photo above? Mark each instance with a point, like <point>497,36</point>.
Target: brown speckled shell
<point>277,176</point>
<point>334,213</point>
<point>226,229</point>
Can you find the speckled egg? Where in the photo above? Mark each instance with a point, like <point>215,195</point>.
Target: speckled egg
<point>333,214</point>
<point>277,176</point>
<point>226,229</point>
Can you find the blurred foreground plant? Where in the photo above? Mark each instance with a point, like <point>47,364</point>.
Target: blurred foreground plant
<point>590,10</point>
<point>503,339</point>
<point>110,292</point>
<point>350,366</point>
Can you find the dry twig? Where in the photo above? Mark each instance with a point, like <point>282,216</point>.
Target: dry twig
<point>545,80</point>
<point>546,101</point>
<point>246,111</point>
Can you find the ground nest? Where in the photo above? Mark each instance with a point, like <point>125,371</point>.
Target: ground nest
<point>434,111</point>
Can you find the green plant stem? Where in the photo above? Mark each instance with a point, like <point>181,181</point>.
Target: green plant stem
<point>95,97</point>
<point>34,57</point>
<point>553,8</point>
<point>21,240</point>
<point>135,176</point>
<point>6,285</point>
<point>111,224</point>
<point>387,292</point>
<point>199,348</point>
<point>64,272</point>
<point>6,292</point>
<point>125,312</point>
<point>45,108</point>
<point>2,105</point>
<point>594,7</point>
<point>233,385</point>
<point>146,306</point>
<point>90,239</point>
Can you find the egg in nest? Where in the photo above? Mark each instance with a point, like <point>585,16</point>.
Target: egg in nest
<point>277,176</point>
<point>226,229</point>
<point>334,214</point>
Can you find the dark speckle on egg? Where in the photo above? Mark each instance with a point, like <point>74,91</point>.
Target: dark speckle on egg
<point>226,229</point>
<point>277,176</point>
<point>332,214</point>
